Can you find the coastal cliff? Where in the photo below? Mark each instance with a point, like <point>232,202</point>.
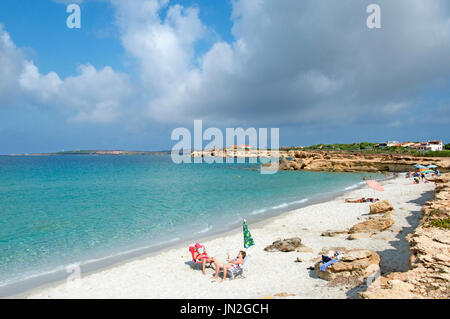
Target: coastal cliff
<point>429,274</point>
<point>333,161</point>
<point>356,162</point>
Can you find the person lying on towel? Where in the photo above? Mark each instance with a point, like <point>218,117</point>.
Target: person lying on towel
<point>362,200</point>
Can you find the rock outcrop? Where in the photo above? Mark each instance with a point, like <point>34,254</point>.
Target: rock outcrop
<point>381,207</point>
<point>287,245</point>
<point>429,274</point>
<point>355,263</point>
<point>373,225</point>
<point>331,161</point>
<point>395,289</point>
<point>367,228</point>
<point>356,162</point>
<point>289,165</point>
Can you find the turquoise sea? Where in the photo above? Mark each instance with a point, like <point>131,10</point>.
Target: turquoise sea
<point>60,210</point>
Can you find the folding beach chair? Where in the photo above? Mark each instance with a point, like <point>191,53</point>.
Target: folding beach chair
<point>235,272</point>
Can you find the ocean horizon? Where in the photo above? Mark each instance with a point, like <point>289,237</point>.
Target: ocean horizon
<point>63,210</point>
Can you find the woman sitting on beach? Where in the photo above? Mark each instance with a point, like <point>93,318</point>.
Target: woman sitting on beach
<point>362,200</point>
<point>200,255</point>
<point>236,263</point>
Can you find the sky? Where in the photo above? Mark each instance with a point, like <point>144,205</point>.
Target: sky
<point>136,70</point>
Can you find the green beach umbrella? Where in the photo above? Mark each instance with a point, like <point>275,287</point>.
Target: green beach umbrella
<point>248,240</point>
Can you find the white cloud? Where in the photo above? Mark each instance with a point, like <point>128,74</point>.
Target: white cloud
<point>43,88</point>
<point>96,96</point>
<point>291,62</point>
<point>163,48</point>
<point>10,66</point>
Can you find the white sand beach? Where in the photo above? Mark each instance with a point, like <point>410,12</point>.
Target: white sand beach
<point>168,274</point>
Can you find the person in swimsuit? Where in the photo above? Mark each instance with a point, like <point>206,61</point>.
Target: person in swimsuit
<point>362,200</point>
<point>237,263</point>
<point>200,254</point>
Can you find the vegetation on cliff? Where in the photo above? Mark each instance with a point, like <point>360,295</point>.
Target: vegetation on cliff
<point>366,147</point>
<point>441,223</point>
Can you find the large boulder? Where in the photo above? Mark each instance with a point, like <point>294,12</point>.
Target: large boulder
<point>381,207</point>
<point>286,245</point>
<point>293,165</point>
<point>389,289</point>
<point>372,225</point>
<point>284,164</point>
<point>300,154</point>
<point>355,263</point>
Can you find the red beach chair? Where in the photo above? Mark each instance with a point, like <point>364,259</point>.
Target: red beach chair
<point>197,257</point>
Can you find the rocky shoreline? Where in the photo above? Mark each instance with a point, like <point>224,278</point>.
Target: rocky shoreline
<point>333,161</point>
<point>356,162</point>
<point>429,274</point>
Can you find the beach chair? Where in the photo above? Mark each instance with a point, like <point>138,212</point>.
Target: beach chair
<point>241,271</point>
<point>198,261</point>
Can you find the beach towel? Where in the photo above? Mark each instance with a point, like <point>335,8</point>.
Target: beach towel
<point>326,265</point>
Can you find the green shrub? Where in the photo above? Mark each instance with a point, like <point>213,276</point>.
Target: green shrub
<point>367,147</point>
<point>441,223</point>
<point>445,153</point>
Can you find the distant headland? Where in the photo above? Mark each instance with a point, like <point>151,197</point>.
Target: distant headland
<point>96,152</point>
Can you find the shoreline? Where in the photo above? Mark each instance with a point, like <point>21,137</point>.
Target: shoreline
<point>268,224</point>
<point>21,288</point>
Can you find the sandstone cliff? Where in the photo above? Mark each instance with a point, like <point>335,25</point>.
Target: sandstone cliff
<point>356,162</point>
<point>333,161</point>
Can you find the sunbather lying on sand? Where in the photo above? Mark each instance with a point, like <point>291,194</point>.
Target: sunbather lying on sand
<point>237,262</point>
<point>362,200</point>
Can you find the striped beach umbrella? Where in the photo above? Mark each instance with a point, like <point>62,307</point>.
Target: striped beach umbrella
<point>248,240</point>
